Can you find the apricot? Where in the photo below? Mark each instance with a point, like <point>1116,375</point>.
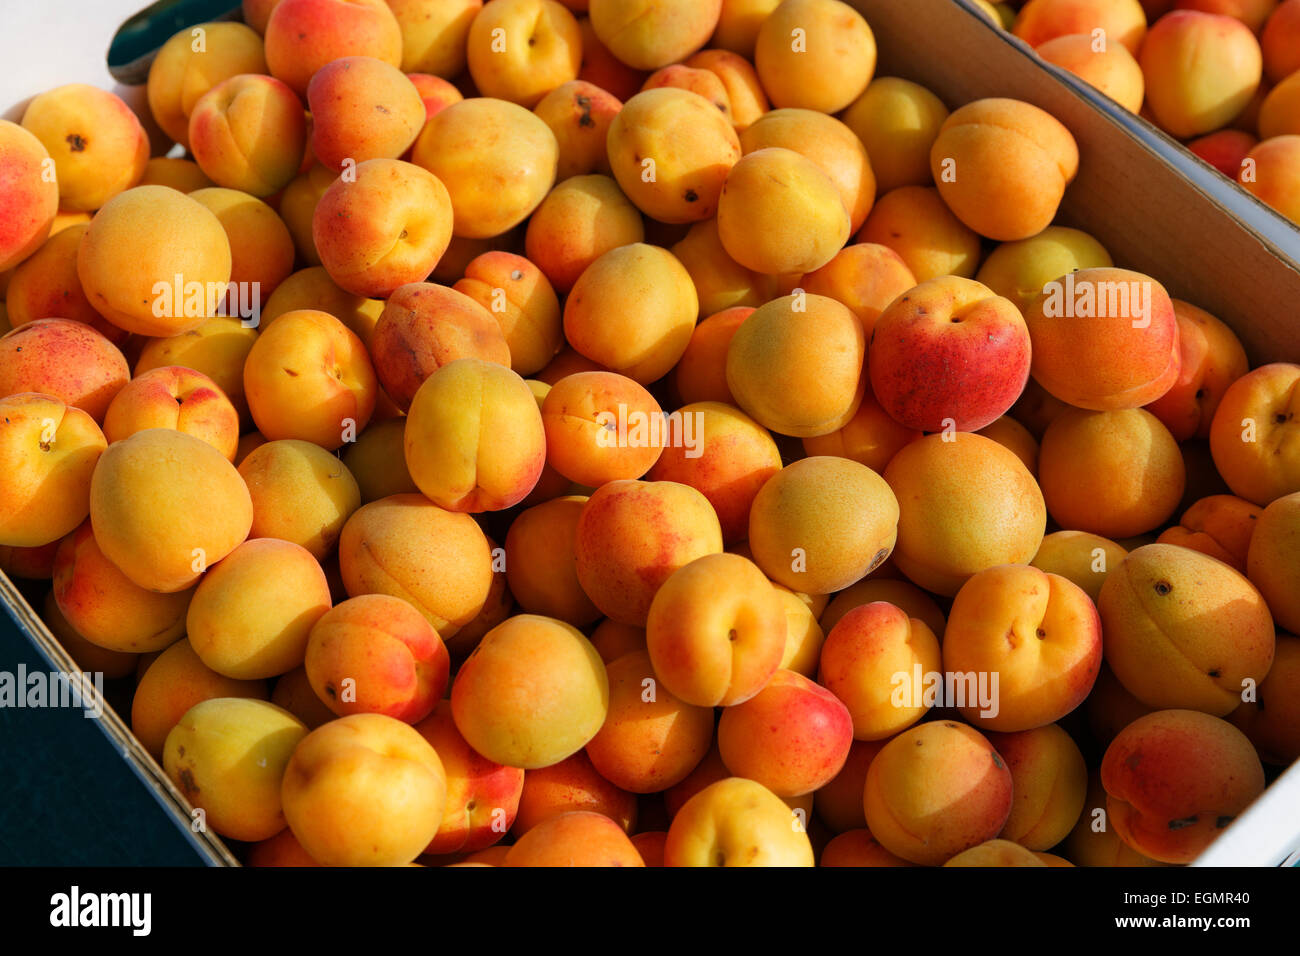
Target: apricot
<point>716,631</point>
<point>298,202</point>
<point>283,849</point>
<point>377,461</point>
<point>701,373</point>
<point>1124,21</point>
<point>301,493</point>
<point>1049,781</point>
<point>486,462</point>
<point>496,702</point>
<point>569,786</point>
<point>933,352</point>
<point>98,146</point>
<point>362,108</point>
<point>1201,70</point>
<point>996,853</point>
<point>521,300</point>
<point>180,74</point>
<point>497,160</point>
<point>261,247</point>
<point>1116,474</point>
<point>63,359</point>
<point>1111,708</point>
<point>1225,150</point>
<point>580,220</point>
<point>1093,842</point>
<point>520,50</point>
<point>1270,720</point>
<point>648,34</point>
<point>632,535</point>
<point>45,286</point>
<point>916,224</point>
<point>579,838</point>
<point>602,427</point>
<point>632,311</point>
<point>1110,68</point>
<point>795,365</point>
<point>31,197</point>
<point>1124,353</point>
<point>49,452</point>
<point>721,283</point>
<point>871,437</point>
<point>182,175</point>
<point>1221,526</point>
<point>671,151</point>
<point>1250,431</point>
<point>174,397</point>
<point>867,655</point>
<point>1272,177</point>
<point>1082,558</point>
<point>1253,13</point>
<point>803,634</point>
<point>227,756</point>
<point>253,611</point>
<point>1272,555</point>
<point>433,35</point>
<point>154,262</point>
<point>1279,113</point>
<point>386,226</point>
<point>897,121</point>
<point>436,92</point>
<point>745,97</point>
<point>904,595</point>
<point>651,739</point>
<point>822,523</point>
<point>794,226</point>
<point>1174,779</point>
<point>312,288</point>
<point>293,692</point>
<point>815,54</point>
<point>370,761</point>
<point>866,277</point>
<point>965,503</point>
<point>579,114</point>
<point>1002,166</point>
<point>302,36</point>
<point>540,563</point>
<point>725,455</point>
<point>738,24</point>
<point>1019,270</point>
<point>35,564</point>
<point>736,822</point>
<point>391,655</point>
<point>171,685</point>
<point>165,505</point>
<point>249,133</point>
<point>936,790</point>
<point>856,848</point>
<point>1184,630</point>
<point>1278,41</point>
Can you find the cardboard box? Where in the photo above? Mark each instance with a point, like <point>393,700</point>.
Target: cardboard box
<point>1155,207</point>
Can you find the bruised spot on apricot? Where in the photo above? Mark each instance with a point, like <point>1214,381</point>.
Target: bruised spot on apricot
<point>1182,822</point>
<point>76,141</point>
<point>997,761</point>
<point>187,781</point>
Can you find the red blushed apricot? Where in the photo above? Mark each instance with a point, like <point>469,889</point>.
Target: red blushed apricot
<point>578,838</point>
<point>31,198</point>
<point>701,373</point>
<point>1002,165</point>
<point>716,631</point>
<point>1104,339</point>
<point>1123,21</point>
<point>87,656</point>
<point>1111,69</point>
<point>521,300</point>
<point>602,427</point>
<point>936,790</point>
<point>106,607</point>
<point>700,82</point>
<point>1278,41</point>
<point>1221,526</point>
<point>858,848</point>
<point>580,220</point>
<point>540,564</point>
<point>572,784</point>
<point>724,454</point>
<point>386,226</point>
<point>436,92</point>
<point>179,398</point>
<point>362,108</point>
<point>866,277</point>
<point>304,35</point>
<point>218,348</point>
<point>309,377</point>
<point>579,114</point>
<point>1269,173</point>
<point>64,359</point>
<point>249,133</point>
<point>1211,359</point>
<point>425,326</point>
<point>650,740</point>
<point>740,83</point>
<point>474,438</point>
<point>394,659</point>
<point>1175,779</point>
<point>1041,635</point>
<point>45,286</point>
<point>867,656</point>
<point>793,736</point>
<point>482,796</point>
<point>1224,150</point>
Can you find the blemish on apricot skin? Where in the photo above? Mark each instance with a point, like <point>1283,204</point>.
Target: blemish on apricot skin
<point>76,141</point>
<point>187,781</point>
<point>1181,823</point>
<point>1221,822</point>
<point>997,761</point>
